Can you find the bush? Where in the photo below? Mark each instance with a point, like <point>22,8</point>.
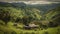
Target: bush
<point>13,32</point>
<point>26,33</point>
<point>45,32</point>
<point>32,33</point>
<point>6,33</point>
<point>1,22</point>
<point>1,32</point>
<point>21,32</point>
<point>52,24</point>
<point>58,31</point>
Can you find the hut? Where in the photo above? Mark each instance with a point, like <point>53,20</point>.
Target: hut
<point>31,26</point>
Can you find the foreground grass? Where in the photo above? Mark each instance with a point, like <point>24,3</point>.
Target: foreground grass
<point>10,29</point>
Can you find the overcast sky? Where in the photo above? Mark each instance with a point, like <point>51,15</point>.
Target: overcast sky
<point>32,1</point>
<point>29,0</point>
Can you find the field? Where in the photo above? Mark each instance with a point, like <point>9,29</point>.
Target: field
<point>10,29</point>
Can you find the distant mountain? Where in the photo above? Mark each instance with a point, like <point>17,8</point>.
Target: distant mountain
<point>45,7</point>
<point>17,10</point>
<point>42,7</point>
<point>54,15</point>
<point>35,12</point>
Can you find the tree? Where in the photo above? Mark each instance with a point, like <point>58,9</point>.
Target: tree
<point>27,19</point>
<point>4,15</point>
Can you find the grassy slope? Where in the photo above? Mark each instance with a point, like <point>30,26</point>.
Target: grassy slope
<point>10,28</point>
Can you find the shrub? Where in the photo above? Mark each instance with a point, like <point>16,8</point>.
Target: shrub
<point>5,32</point>
<point>1,32</point>
<point>1,22</point>
<point>21,32</point>
<point>27,33</point>
<point>32,33</point>
<point>58,31</point>
<point>45,32</point>
<point>13,32</point>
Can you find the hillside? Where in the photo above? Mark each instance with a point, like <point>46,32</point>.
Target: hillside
<point>14,17</point>
<point>42,7</point>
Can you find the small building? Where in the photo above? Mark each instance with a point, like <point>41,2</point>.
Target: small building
<point>31,26</point>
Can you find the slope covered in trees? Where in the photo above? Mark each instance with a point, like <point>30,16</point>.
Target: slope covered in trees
<point>11,13</point>
<point>22,14</point>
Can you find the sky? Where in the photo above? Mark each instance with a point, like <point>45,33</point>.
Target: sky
<point>29,0</point>
<point>32,1</point>
<point>39,2</point>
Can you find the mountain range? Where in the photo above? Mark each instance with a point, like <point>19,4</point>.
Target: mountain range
<point>36,11</point>
<point>42,7</point>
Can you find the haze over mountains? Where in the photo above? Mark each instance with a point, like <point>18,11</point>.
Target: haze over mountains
<point>43,6</point>
<point>35,10</point>
<point>40,10</point>
<point>31,0</point>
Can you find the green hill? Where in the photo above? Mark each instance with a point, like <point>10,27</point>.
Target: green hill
<point>13,17</point>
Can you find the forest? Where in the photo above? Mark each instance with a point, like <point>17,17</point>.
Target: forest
<point>20,18</point>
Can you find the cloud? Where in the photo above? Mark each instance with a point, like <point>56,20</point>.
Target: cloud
<point>39,2</point>
<point>30,0</point>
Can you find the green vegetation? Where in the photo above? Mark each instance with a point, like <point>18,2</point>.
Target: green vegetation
<point>13,19</point>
